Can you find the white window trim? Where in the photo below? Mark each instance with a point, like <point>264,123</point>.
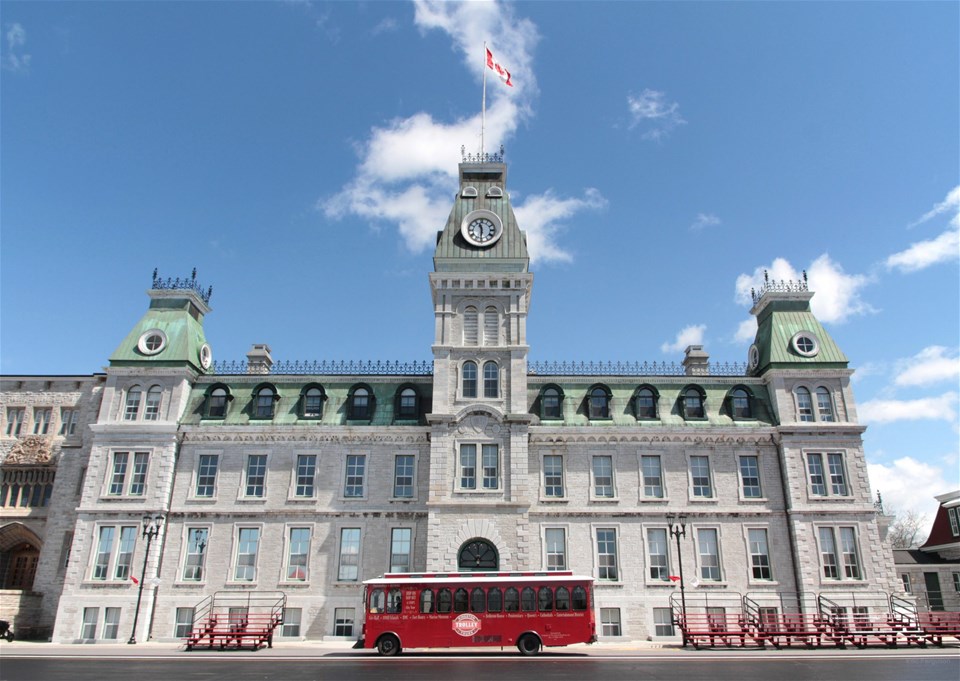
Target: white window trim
<point>124,393</point>
<point>838,547</point>
<point>294,474</point>
<point>283,579</point>
<point>773,581</point>
<point>645,541</point>
<point>114,552</point>
<point>242,491</point>
<point>393,475</point>
<point>235,554</point>
<point>161,406</point>
<point>478,476</point>
<point>566,544</point>
<point>713,498</point>
<point>338,538</point>
<point>194,478</point>
<point>596,554</point>
<point>814,406</point>
<point>185,550</point>
<point>127,478</point>
<point>641,493</point>
<point>413,543</point>
<point>828,485</point>
<point>763,486</point>
<point>563,498</point>
<point>342,487</point>
<point>594,499</point>
<point>696,553</point>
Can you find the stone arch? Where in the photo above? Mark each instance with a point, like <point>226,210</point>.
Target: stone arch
<point>19,555</point>
<point>480,529</point>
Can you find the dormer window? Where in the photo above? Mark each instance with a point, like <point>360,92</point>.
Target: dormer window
<point>691,401</point>
<point>469,193</point>
<point>598,403</point>
<point>495,193</point>
<point>263,402</point>
<point>645,403</point>
<point>311,402</point>
<point>360,404</point>
<point>739,404</point>
<point>551,401</point>
<point>408,404</point>
<point>152,342</point>
<point>217,402</point>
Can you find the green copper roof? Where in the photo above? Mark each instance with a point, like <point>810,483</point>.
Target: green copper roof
<point>179,316</point>
<point>780,317</point>
<point>509,253</point>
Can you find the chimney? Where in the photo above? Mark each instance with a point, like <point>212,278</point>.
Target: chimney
<point>696,361</point>
<point>259,360</point>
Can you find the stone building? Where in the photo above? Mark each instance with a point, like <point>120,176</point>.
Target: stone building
<point>931,572</point>
<point>309,478</point>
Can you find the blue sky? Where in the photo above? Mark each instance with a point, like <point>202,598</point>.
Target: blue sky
<point>302,156</point>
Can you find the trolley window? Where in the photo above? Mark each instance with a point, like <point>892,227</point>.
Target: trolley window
<point>528,599</point>
<point>511,600</point>
<point>478,600</point>
<point>546,599</point>
<point>426,601</point>
<point>444,601</point>
<point>376,601</point>
<point>394,601</point>
<point>579,598</point>
<point>460,600</point>
<point>494,600</point>
<point>563,598</point>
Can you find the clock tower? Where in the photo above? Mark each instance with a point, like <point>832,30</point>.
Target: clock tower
<point>480,491</point>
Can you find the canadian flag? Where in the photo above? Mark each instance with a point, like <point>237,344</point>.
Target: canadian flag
<point>502,72</point>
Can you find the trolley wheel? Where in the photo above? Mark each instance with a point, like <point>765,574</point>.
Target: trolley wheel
<point>388,645</point>
<point>529,644</point>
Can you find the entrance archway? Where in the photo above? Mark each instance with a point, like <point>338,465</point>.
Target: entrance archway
<point>478,555</point>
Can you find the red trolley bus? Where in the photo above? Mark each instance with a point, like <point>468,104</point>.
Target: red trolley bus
<point>466,609</point>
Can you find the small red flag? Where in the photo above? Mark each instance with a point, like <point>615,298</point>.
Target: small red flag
<point>502,72</point>
<point>134,579</point>
<point>674,578</point>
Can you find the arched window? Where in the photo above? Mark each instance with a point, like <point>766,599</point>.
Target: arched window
<point>563,598</point>
<point>528,599</point>
<point>551,402</point>
<point>645,403</point>
<point>460,600</point>
<point>478,600</point>
<point>132,407</point>
<point>598,403</point>
<point>217,403</point>
<point>469,379</point>
<point>470,326</point>
<point>824,404</point>
<point>579,598</point>
<point>311,402</point>
<point>444,601</point>
<point>693,404</point>
<point>263,402</point>
<point>151,411</point>
<point>494,600</point>
<point>491,380</point>
<point>545,598</point>
<point>407,404</point>
<point>804,404</point>
<point>478,554</point>
<point>360,404</point>
<point>491,326</point>
<point>740,407</point>
<point>511,600</point>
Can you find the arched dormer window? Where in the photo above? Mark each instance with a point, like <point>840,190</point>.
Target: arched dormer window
<point>824,404</point>
<point>692,403</point>
<point>469,193</point>
<point>151,409</point>
<point>804,404</point>
<point>645,403</point>
<point>312,398</point>
<point>361,403</point>
<point>217,398</point>
<point>598,402</point>
<point>469,379</point>
<point>551,403</point>
<point>495,193</point>
<point>131,407</point>
<point>491,380</point>
<point>264,398</point>
<point>491,326</point>
<point>740,403</point>
<point>407,407</point>
<point>470,321</point>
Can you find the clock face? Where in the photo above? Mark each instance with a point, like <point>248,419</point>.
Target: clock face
<point>482,228</point>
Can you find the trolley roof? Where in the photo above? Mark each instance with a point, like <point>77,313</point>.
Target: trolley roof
<point>398,578</point>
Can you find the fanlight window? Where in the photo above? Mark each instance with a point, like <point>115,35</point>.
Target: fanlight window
<point>313,403</point>
<point>217,403</point>
<point>360,404</point>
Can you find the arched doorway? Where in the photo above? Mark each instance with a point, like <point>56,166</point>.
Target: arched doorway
<point>21,568</point>
<point>478,555</point>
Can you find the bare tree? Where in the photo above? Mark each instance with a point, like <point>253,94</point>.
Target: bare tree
<point>909,528</point>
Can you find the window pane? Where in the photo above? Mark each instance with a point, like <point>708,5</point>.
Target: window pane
<point>759,556</point>
<point>851,555</point>
<point>553,475</point>
<point>111,623</point>
<point>88,629</point>
<point>603,476</point>
<point>207,475</point>
<point>551,404</point>
<point>360,404</point>
<point>408,403</point>
<point>468,466</point>
<point>824,405</point>
<point>264,404</point>
<point>353,486</point>
<point>291,621</point>
<point>349,555</point>
<point>610,621</point>
<point>196,553</point>
<point>132,407</point>
<point>662,622</point>
<point>151,411</point>
<point>646,405</point>
<point>556,549</point>
<point>119,472</point>
<point>400,546</point>
<point>128,538</point>
<point>104,548</point>
<point>306,472</point>
<point>652,477</point>
<point>342,622</point>
<point>838,480</point>
<point>256,475</point>
<point>249,542</point>
<point>657,554</point>
<point>740,403</point>
<point>491,380</point>
<point>403,476</point>
<point>217,404</point>
<point>607,554</point>
<point>491,467</point>
<point>299,556</point>
<point>818,486</point>
<point>692,404</point>
<point>139,478</point>
<point>599,407</point>
<point>469,379</point>
<point>750,477</point>
<point>313,403</point>
<point>709,554</point>
<point>700,476</point>
<point>184,623</point>
<point>804,405</point>
<point>828,554</point>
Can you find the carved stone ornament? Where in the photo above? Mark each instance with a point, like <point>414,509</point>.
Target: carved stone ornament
<point>478,423</point>
<point>30,450</point>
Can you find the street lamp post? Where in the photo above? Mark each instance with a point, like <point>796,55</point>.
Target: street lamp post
<point>151,528</point>
<point>677,531</point>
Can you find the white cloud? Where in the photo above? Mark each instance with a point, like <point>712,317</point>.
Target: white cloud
<point>746,331</point>
<point>387,25</point>
<point>407,168</point>
<point>688,335</point>
<point>908,484</point>
<point>836,293</point>
<point>651,110</point>
<point>14,59</point>
<point>951,202</point>
<point>941,408</point>
<point>923,254</point>
<point>705,220</point>
<point>933,364</point>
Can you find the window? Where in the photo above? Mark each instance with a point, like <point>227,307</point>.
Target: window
<point>248,543</point>
<point>401,539</point>
<point>848,557</point>
<point>805,344</point>
<point>256,476</point>
<point>550,404</point>
<point>817,475</point>
<point>556,544</point>
<point>469,379</point>
<point>407,404</point>
<point>954,516</point>
<point>312,403</point>
<point>495,193</point>
<point>207,475</point>
<point>217,403</point>
<point>196,554</point>
<point>360,405</point>
<point>298,554</point>
<point>111,623</point>
<point>956,581</point>
<point>41,421</point>
<point>709,549</point>
<point>403,476</point>
<point>740,404</point>
<point>850,553</point>
<point>15,423</point>
<point>693,404</point>
<point>68,421</point>
<point>114,553</point>
<point>491,326</point>
<point>750,477</point>
<point>88,630</point>
<point>818,486</point>
<point>468,466</point>
<point>607,554</point>
<point>491,380</point>
<point>610,621</point>
<point>263,403</point>
<point>152,341</point>
<point>700,477</point>
<point>838,480</point>
<point>603,477</point>
<point>491,467</point>
<point>905,578</point>
<point>553,475</point>
<point>132,407</point>
<point>652,476</point>
<point>349,569</point>
<point>183,624</point>
<point>135,483</point>
<point>470,319</point>
<point>804,404</point>
<point>598,404</point>
<point>657,556</point>
<point>824,404</point>
<point>343,621</point>
<point>291,622</point>
<point>663,622</point>
<point>151,410</point>
<point>353,483</point>
<point>759,554</point>
<point>645,404</point>
<point>469,193</point>
<point>306,474</point>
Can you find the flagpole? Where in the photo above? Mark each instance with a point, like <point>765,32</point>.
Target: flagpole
<point>483,108</point>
